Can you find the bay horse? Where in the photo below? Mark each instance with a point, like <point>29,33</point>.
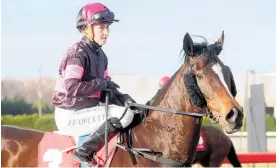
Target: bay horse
<point>218,146</point>
<point>170,127</point>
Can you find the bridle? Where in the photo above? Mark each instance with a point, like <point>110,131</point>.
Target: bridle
<point>208,112</point>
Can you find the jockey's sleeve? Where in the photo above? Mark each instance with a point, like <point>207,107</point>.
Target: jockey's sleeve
<point>74,86</point>
<point>106,73</point>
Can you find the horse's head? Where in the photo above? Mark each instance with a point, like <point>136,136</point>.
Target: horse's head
<point>206,86</point>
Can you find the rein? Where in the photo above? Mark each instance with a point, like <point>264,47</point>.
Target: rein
<point>168,110</point>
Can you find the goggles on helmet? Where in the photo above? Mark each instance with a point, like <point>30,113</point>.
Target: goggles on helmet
<point>101,17</point>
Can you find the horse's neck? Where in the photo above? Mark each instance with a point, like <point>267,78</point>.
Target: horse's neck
<point>175,96</point>
<point>165,132</point>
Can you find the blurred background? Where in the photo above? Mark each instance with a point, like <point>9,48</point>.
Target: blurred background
<point>142,48</point>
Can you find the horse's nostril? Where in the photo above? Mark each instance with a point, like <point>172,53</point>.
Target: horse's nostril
<point>232,115</point>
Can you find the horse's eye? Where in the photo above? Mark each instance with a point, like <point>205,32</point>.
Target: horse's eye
<point>199,76</point>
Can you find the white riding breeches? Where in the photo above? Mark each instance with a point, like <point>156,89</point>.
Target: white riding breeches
<point>87,121</point>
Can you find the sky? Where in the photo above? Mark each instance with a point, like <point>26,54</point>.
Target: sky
<point>146,41</point>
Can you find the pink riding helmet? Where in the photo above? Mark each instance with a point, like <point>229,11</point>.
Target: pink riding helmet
<point>94,13</point>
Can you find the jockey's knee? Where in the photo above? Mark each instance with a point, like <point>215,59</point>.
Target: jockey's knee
<point>125,117</point>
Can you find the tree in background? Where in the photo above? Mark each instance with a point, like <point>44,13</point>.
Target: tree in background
<point>12,88</point>
<point>47,85</point>
<point>21,97</point>
<point>16,106</point>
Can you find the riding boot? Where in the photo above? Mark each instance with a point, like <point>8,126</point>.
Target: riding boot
<point>85,153</point>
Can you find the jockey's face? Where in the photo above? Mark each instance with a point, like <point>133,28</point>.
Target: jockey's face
<point>100,32</point>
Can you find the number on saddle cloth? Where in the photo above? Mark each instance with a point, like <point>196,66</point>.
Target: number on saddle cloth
<point>58,153</point>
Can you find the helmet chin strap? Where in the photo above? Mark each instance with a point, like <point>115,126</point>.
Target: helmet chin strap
<point>91,39</point>
<point>98,46</point>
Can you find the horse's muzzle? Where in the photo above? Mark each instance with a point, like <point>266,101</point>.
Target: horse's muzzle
<point>234,119</point>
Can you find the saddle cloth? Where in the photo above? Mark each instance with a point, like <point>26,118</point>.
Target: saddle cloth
<point>55,150</point>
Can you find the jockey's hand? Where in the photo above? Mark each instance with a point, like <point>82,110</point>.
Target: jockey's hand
<point>103,94</point>
<point>130,100</point>
<point>111,85</point>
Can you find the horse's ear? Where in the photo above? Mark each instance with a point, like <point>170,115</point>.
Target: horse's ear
<point>219,44</point>
<point>220,41</point>
<point>188,45</point>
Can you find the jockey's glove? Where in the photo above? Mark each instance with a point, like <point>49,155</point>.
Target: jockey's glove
<point>104,92</point>
<point>108,84</point>
<point>130,100</point>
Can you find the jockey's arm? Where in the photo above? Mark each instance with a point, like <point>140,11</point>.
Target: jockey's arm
<point>74,86</point>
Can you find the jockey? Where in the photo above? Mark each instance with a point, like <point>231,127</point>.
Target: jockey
<point>83,82</point>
